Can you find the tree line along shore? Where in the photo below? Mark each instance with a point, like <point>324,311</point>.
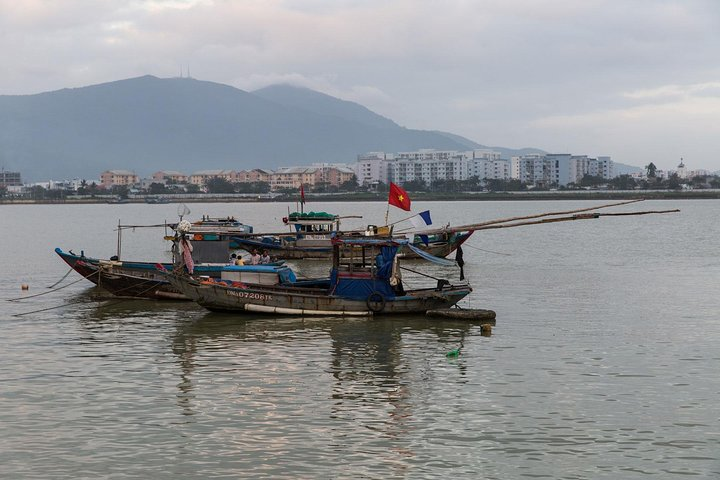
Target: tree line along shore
<point>382,197</point>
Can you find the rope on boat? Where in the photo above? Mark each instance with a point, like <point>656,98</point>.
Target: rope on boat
<point>112,304</point>
<point>55,290</point>
<point>63,278</point>
<point>420,273</point>
<point>486,251</point>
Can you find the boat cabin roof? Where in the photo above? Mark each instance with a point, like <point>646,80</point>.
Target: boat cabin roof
<point>312,218</point>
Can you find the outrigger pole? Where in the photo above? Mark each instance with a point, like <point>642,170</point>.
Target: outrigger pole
<point>582,216</point>
<point>480,226</point>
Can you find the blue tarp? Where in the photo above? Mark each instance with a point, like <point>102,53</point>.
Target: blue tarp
<point>431,258</point>
<point>384,261</point>
<point>361,288</point>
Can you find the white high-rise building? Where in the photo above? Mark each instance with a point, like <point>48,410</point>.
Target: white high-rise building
<point>372,168</point>
<point>559,169</point>
<point>430,166</point>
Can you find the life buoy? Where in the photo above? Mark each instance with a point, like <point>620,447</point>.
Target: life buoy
<point>375,302</point>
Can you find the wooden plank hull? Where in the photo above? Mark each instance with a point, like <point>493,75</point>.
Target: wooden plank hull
<point>141,281</point>
<point>296,301</point>
<point>289,250</point>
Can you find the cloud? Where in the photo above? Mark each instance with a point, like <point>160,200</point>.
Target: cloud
<point>497,71</point>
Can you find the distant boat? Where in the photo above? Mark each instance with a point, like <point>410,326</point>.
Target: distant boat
<point>118,200</point>
<point>154,200</point>
<point>313,232</point>
<point>364,280</point>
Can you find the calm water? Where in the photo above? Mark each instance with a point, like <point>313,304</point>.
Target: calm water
<point>603,364</point>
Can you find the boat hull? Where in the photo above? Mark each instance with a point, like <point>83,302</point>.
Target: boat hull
<point>289,250</point>
<point>297,301</point>
<point>124,279</point>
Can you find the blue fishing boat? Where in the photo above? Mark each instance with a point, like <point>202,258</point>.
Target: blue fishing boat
<point>365,279</point>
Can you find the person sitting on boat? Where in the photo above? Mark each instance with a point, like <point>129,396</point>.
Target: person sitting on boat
<point>265,258</point>
<point>255,258</point>
<point>236,259</point>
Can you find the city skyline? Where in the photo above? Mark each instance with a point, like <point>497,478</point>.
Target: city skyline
<point>636,81</point>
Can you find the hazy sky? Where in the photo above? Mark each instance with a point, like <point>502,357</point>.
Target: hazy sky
<point>638,80</point>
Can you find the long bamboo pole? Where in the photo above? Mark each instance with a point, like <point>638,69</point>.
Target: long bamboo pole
<point>477,226</point>
<point>586,216</point>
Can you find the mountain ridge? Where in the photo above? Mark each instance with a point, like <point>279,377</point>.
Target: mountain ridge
<point>146,124</point>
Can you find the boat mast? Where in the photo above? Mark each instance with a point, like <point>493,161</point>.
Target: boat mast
<point>119,240</point>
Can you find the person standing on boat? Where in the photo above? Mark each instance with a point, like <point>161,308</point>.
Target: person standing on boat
<point>265,258</point>
<point>255,258</point>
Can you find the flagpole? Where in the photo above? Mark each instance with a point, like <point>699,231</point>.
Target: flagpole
<point>404,219</point>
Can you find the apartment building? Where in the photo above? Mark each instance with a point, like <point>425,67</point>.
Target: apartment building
<point>111,178</point>
<point>254,175</point>
<point>429,166</point>
<point>10,179</point>
<point>372,168</point>
<point>201,178</point>
<point>292,177</point>
<point>169,176</point>
<point>559,169</point>
<point>332,174</point>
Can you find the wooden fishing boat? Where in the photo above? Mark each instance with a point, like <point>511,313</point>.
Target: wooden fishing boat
<point>312,232</point>
<point>134,279</point>
<point>365,279</point>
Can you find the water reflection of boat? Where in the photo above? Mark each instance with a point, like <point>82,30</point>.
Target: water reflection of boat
<point>359,361</point>
<point>365,279</point>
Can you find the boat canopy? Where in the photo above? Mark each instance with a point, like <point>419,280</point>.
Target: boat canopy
<point>312,216</point>
<point>395,242</point>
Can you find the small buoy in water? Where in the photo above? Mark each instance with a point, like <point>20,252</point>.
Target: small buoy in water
<point>25,286</point>
<point>453,353</point>
<point>486,329</point>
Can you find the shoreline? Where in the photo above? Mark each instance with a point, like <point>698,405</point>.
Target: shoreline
<point>416,196</point>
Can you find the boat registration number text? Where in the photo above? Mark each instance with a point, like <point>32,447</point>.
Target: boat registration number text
<point>250,295</point>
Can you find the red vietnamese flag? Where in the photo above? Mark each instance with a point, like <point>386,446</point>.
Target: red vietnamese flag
<point>399,197</point>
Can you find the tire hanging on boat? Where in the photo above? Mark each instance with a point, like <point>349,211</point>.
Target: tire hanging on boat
<point>375,302</point>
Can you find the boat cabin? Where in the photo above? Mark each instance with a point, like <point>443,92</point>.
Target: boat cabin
<point>312,229</point>
<point>366,266</point>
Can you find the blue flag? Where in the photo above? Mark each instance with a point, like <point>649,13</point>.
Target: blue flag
<point>420,221</point>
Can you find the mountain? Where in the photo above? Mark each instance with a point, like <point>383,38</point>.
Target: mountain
<point>147,124</point>
<point>504,152</point>
<point>622,169</point>
<point>321,104</point>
